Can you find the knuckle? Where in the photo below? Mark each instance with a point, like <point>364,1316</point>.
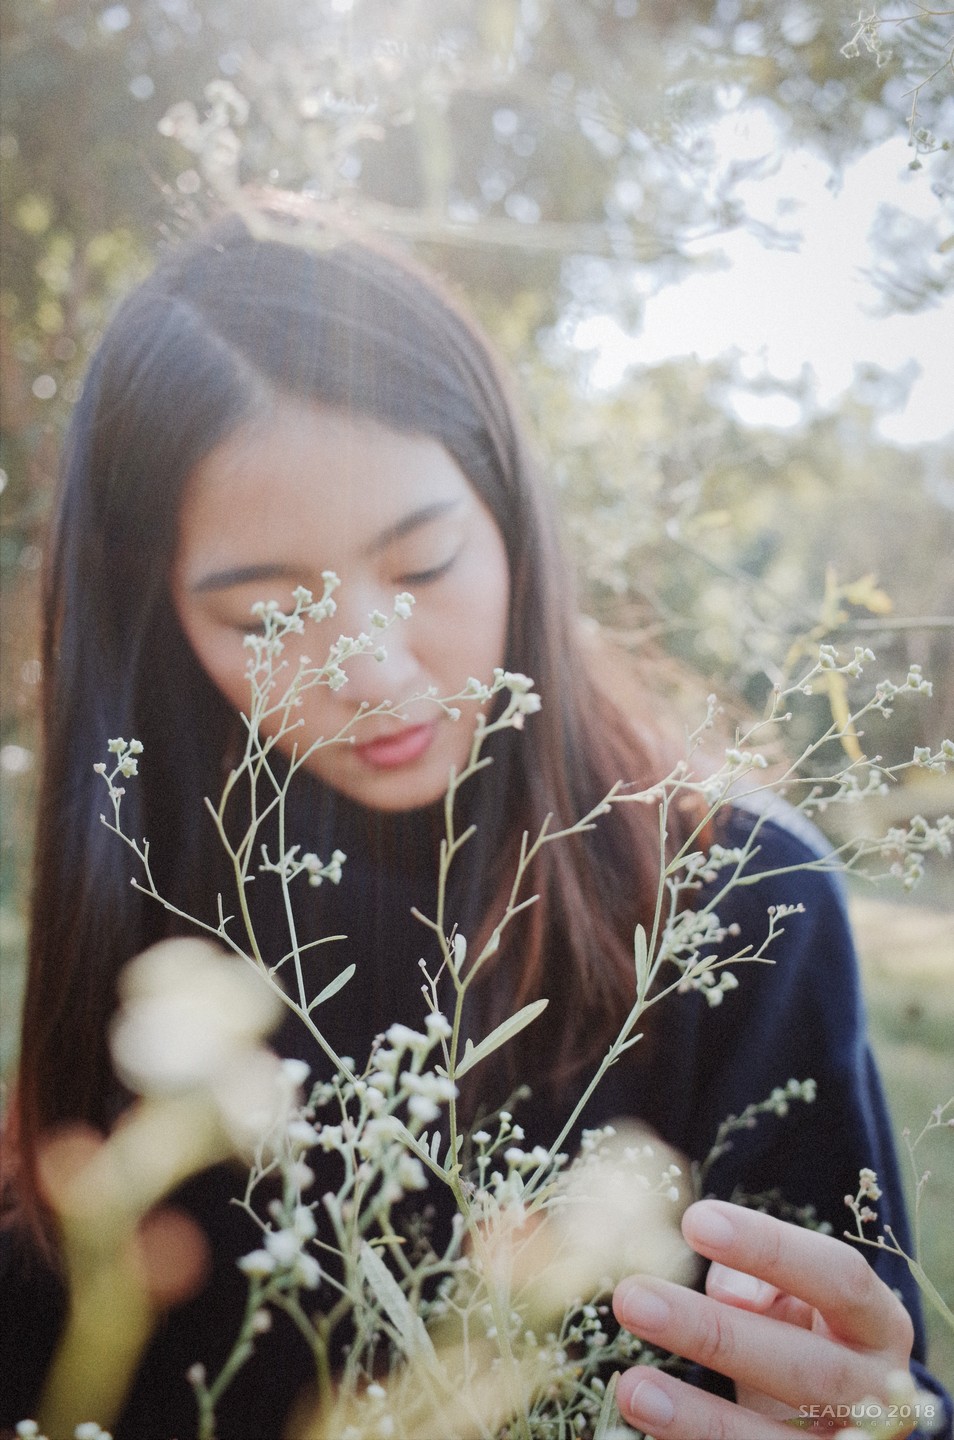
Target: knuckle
<point>719,1426</point>
<point>842,1379</point>
<point>859,1278</point>
<point>772,1251</point>
<point>901,1324</point>
<point>715,1342</point>
<point>872,1298</point>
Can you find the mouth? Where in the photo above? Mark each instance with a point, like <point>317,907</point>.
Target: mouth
<point>389,752</point>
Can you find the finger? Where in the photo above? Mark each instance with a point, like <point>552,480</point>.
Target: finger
<point>735,1287</point>
<point>818,1269</point>
<point>668,1409</point>
<point>789,1363</point>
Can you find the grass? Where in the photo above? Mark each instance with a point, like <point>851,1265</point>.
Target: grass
<point>908,966</point>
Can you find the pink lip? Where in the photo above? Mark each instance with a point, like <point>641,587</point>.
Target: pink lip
<point>401,748</point>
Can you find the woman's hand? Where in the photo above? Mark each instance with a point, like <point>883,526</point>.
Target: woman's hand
<point>796,1319</point>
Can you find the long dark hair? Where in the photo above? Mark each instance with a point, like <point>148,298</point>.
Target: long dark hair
<point>257,307</point>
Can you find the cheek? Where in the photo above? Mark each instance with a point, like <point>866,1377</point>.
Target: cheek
<point>223,657</point>
<point>478,632</point>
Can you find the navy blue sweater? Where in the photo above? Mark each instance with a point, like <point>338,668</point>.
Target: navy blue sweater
<point>800,1017</point>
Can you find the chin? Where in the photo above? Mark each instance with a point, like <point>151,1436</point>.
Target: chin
<point>394,794</point>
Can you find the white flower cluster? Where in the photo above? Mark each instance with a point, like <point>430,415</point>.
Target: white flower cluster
<point>500,1164</point>
<point>376,1146</point>
<point>777,1103</point>
<point>713,984</point>
<point>282,1262</point>
<point>886,691</point>
<point>127,765</point>
<point>688,936</point>
<point>868,1189</point>
<point>910,843</point>
<point>86,1430</point>
<point>523,698</point>
<point>283,1254</point>
<point>211,138</point>
<point>935,761</point>
<point>828,660</point>
<point>290,865</point>
<point>268,643</point>
<point>852,788</point>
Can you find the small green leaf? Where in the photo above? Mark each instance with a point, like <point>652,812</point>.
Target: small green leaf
<point>609,1417</point>
<point>473,1054</point>
<point>333,986</point>
<point>930,1292</point>
<point>641,958</point>
<point>413,1337</point>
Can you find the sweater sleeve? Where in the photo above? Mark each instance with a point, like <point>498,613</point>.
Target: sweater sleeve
<point>799,1017</point>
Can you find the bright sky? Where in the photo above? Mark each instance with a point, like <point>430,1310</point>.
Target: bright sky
<point>782,309</point>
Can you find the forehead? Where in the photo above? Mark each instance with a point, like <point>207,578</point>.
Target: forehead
<point>306,472</point>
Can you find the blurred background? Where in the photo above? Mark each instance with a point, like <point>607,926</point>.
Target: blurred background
<point>715,241</point>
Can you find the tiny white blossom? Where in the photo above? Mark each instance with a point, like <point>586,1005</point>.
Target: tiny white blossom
<point>304,1223</point>
<point>402,1037</point>
<point>257,1263</point>
<point>422,1108</point>
<point>297,1072</point>
<point>307,1272</point>
<point>284,1245</point>
<point>302,1134</point>
<point>410,1173</point>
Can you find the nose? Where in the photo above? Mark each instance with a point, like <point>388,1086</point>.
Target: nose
<point>389,671</point>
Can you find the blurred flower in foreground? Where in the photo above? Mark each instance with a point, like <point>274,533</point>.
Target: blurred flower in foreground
<point>615,1211</point>
<point>187,1038</point>
<point>188,1013</point>
<point>521,1325</point>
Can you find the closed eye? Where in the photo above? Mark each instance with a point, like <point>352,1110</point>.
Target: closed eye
<point>425,577</point>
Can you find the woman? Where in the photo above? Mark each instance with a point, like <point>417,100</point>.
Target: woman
<point>276,401</point>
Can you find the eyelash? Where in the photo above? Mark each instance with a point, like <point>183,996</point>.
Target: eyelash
<point>424,577</point>
<point>414,577</point>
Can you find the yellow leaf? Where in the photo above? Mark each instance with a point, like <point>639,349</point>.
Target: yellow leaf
<point>837,691</point>
<point>865,592</point>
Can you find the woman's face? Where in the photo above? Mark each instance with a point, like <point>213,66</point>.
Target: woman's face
<point>310,489</point>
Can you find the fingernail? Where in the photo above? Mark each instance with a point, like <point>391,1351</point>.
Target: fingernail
<point>711,1227</point>
<point>643,1310</point>
<point>739,1285</point>
<point>647,1405</point>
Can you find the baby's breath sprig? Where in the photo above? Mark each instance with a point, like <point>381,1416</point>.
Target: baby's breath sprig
<point>475,1338</point>
<point>777,1104</point>
<point>863,1208</point>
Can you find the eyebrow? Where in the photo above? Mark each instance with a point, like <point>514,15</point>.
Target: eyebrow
<point>247,574</point>
<point>412,521</point>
